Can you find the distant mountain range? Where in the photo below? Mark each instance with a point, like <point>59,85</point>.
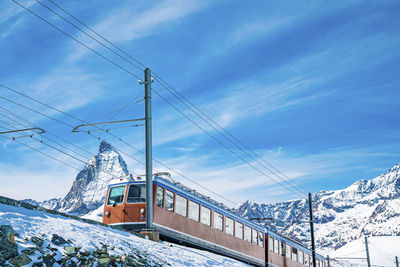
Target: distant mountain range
<point>367,207</point>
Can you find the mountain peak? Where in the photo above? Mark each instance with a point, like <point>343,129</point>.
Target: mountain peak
<point>104,146</point>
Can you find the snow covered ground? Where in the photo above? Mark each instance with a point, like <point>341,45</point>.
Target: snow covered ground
<point>28,223</point>
<point>382,251</point>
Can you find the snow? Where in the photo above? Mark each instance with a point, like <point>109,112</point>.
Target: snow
<point>382,251</point>
<point>28,223</point>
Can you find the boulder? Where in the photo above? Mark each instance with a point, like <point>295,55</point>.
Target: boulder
<point>21,260</point>
<point>8,248</point>
<point>58,240</point>
<point>37,241</point>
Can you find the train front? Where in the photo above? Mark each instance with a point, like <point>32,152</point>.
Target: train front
<point>125,204</point>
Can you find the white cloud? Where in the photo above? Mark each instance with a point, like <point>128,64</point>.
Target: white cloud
<point>9,9</point>
<point>130,22</point>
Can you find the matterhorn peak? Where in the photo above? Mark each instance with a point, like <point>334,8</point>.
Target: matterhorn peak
<point>104,147</point>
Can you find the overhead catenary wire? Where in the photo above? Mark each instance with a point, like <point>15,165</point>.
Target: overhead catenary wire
<point>114,63</point>
<point>174,92</point>
<point>179,96</point>
<point>70,36</point>
<point>120,139</point>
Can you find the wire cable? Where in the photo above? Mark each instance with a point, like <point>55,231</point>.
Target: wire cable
<point>120,139</point>
<point>174,92</point>
<point>167,86</point>
<point>117,65</point>
<point>76,40</point>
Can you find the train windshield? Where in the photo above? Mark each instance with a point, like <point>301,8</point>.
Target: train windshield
<point>116,195</point>
<point>136,193</point>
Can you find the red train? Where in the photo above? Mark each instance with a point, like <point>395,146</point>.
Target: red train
<point>185,216</point>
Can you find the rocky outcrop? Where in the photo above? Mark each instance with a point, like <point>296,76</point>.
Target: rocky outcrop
<point>8,247</point>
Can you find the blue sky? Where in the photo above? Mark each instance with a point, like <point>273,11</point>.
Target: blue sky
<point>312,87</point>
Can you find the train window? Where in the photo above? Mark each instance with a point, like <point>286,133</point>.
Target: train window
<point>228,226</point>
<point>261,239</point>
<point>218,218</point>
<point>169,200</point>
<point>239,230</point>
<point>247,233</point>
<point>254,237</point>
<point>271,244</point>
<point>116,195</point>
<point>300,256</point>
<point>194,210</point>
<point>136,193</point>
<point>306,259</point>
<point>294,254</point>
<point>276,246</point>
<point>160,197</point>
<point>283,249</point>
<point>288,254</point>
<point>205,216</point>
<point>181,205</point>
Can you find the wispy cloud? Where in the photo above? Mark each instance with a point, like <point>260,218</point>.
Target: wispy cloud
<point>127,23</point>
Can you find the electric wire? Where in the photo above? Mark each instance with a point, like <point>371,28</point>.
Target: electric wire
<point>99,35</point>
<point>284,180</point>
<point>200,113</point>
<point>116,111</point>
<point>120,139</point>
<point>229,149</point>
<point>176,93</point>
<point>70,36</point>
<point>91,37</point>
<point>114,63</point>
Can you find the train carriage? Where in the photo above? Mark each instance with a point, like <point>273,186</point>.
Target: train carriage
<point>183,215</point>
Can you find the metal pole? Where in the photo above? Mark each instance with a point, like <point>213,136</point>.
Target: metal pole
<point>397,261</point>
<point>328,260</point>
<point>312,230</point>
<point>149,167</point>
<point>366,249</point>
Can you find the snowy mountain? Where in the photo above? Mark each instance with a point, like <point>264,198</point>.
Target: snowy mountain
<point>88,191</point>
<point>367,207</point>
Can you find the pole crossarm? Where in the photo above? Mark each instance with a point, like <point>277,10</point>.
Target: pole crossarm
<point>75,130</point>
<point>24,130</point>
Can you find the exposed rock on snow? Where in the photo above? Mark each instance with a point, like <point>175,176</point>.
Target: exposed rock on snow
<point>93,245</point>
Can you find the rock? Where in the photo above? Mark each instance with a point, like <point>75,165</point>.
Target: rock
<point>69,251</point>
<point>58,240</point>
<point>8,231</point>
<point>48,259</point>
<point>37,241</point>
<point>21,260</point>
<point>103,261</point>
<point>37,264</point>
<point>88,262</point>
<point>29,251</point>
<point>69,263</point>
<point>8,248</point>
<point>85,253</point>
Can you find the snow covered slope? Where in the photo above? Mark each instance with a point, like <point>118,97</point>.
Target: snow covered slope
<point>91,238</point>
<point>367,207</point>
<point>382,252</point>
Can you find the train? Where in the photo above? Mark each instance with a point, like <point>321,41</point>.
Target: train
<point>183,215</point>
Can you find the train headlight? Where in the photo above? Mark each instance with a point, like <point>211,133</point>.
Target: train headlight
<point>141,211</point>
<point>107,213</point>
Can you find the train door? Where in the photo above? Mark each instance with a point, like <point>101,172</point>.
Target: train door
<point>115,206</point>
